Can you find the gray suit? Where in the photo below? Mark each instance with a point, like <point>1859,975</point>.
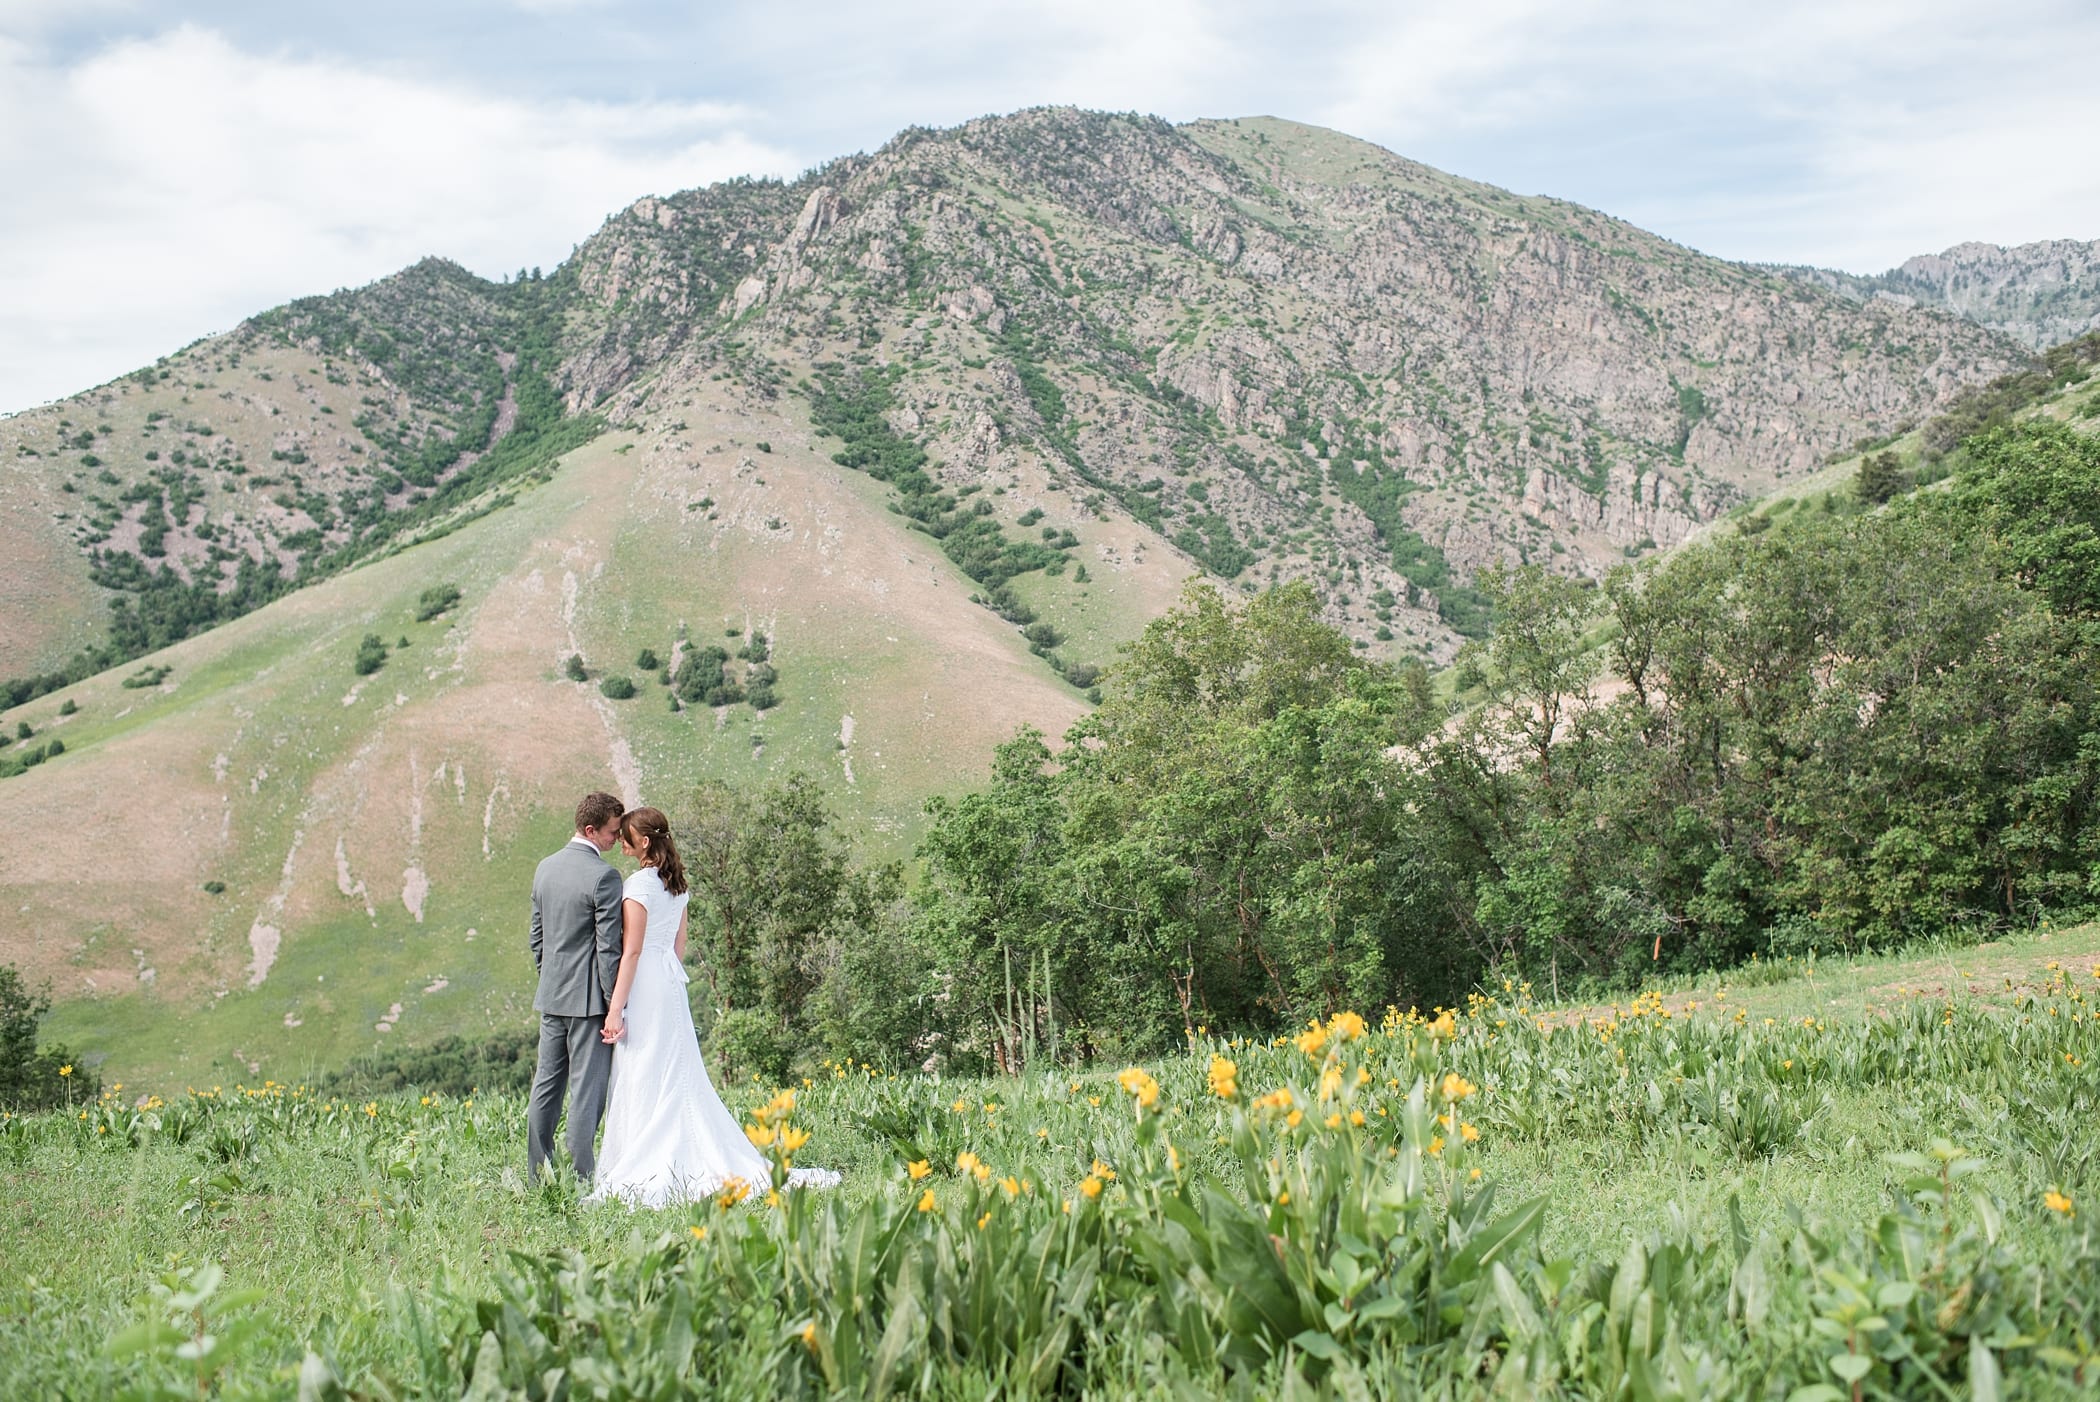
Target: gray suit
<point>576,949</point>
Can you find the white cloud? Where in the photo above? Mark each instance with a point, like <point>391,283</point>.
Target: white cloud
<point>166,187</point>
<point>175,182</point>
<point>1850,135</point>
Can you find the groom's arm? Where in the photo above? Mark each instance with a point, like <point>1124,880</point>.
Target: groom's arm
<point>606,908</point>
<point>539,931</point>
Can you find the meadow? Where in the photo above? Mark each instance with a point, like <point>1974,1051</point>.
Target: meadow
<point>1868,1179</point>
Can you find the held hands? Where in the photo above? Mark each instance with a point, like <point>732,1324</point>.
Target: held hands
<point>615,1026</point>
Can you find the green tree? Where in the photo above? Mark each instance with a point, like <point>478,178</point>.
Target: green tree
<point>371,655</point>
<point>1881,477</point>
<point>32,1079</point>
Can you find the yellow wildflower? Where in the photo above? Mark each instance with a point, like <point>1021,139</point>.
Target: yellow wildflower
<point>1138,1082</point>
<point>926,1203</point>
<point>1090,1186</point>
<point>1011,1186</point>
<point>918,1168</point>
<point>66,1070</point>
<point>1224,1078</point>
<point>733,1192</point>
<point>699,1233</point>
<point>1457,1087</point>
<point>2057,1202</point>
<point>1468,1133</point>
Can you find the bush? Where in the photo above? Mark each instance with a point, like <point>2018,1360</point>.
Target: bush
<point>435,600</point>
<point>573,668</point>
<point>761,697</point>
<point>745,1042</point>
<point>371,655</point>
<point>70,708</point>
<point>1881,477</point>
<point>617,688</point>
<point>451,1066</point>
<point>646,660</point>
<point>32,1079</point>
<point>215,888</point>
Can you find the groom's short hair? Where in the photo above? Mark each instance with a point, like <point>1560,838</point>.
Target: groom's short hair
<point>597,810</point>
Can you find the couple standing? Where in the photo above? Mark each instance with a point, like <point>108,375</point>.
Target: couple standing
<point>615,1029</point>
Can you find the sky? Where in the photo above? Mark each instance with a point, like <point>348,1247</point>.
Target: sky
<point>168,169</point>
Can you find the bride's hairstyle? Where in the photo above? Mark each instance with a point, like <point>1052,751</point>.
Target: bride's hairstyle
<point>650,830</point>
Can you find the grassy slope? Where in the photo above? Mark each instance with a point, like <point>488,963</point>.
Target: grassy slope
<point>333,1242</point>
<point>265,764</point>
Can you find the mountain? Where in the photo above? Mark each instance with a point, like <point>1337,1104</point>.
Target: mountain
<point>2040,294</point>
<point>945,424</point>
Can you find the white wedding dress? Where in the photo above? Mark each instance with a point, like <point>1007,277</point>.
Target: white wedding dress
<point>668,1137</point>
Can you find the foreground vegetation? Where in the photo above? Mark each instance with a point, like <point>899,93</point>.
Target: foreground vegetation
<point>1712,1192</point>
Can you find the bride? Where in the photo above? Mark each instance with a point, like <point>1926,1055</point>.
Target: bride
<point>668,1137</point>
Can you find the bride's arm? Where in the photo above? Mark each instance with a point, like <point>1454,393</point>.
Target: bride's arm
<point>634,923</point>
<point>680,946</point>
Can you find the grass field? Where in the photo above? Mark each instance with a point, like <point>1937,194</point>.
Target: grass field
<point>1869,1179</point>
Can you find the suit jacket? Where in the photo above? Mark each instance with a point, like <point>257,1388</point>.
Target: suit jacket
<point>575,932</point>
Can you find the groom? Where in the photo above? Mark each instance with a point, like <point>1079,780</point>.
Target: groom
<point>576,949</point>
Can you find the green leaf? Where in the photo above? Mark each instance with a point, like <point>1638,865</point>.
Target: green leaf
<point>1320,1346</point>
<point>1816,1392</point>
<point>1498,1236</point>
<point>1984,1381</point>
<point>1851,1366</point>
<point>146,1337</point>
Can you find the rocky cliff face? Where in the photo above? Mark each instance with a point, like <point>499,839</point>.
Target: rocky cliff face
<point>2040,294</point>
<point>1285,352</point>
<point>1289,352</point>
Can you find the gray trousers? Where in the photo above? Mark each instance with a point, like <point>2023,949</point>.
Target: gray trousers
<point>575,1060</point>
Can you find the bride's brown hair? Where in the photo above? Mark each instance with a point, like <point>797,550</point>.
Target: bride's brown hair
<point>650,830</point>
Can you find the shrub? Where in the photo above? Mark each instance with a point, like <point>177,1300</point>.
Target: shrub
<point>435,600</point>
<point>371,655</point>
<point>744,1042</point>
<point>215,888</point>
<point>761,696</point>
<point>70,708</point>
<point>573,668</point>
<point>450,1066</point>
<point>617,688</point>
<point>32,1079</point>
<point>646,660</point>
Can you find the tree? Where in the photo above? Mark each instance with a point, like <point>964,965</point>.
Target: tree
<point>371,655</point>
<point>31,1079</point>
<point>1881,477</point>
